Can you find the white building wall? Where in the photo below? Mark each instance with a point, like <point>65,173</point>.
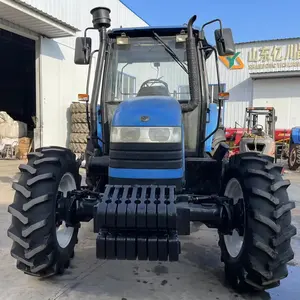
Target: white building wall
<point>286,101</point>
<point>61,79</point>
<point>238,84</point>
<point>77,13</point>
<point>273,57</point>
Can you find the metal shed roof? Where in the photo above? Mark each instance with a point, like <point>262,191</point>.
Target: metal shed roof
<point>271,40</point>
<point>277,74</point>
<point>29,17</point>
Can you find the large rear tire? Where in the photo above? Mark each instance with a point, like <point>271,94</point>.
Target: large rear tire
<point>40,247</point>
<point>294,157</point>
<point>256,254</point>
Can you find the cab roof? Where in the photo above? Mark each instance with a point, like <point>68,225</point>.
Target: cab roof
<point>147,31</point>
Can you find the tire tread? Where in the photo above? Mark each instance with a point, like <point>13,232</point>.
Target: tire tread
<point>33,221</point>
<point>21,189</point>
<point>39,178</point>
<point>269,224</point>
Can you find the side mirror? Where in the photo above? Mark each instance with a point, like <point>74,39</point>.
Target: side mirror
<point>83,48</point>
<point>224,42</point>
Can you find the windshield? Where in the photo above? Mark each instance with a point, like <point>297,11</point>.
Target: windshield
<point>143,59</point>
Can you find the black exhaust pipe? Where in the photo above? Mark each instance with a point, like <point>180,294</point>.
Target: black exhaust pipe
<point>101,21</point>
<point>192,60</point>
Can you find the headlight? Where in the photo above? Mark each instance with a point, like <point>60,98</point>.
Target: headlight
<point>145,134</point>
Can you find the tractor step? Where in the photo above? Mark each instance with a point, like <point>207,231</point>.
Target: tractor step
<point>137,222</point>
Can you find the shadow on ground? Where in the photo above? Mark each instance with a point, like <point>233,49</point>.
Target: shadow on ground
<point>9,179</point>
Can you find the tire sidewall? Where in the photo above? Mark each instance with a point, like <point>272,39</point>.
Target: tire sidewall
<point>293,154</point>
<point>62,255</point>
<point>235,262</point>
<point>293,165</point>
<point>236,267</point>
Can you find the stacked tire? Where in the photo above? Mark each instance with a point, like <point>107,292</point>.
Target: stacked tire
<point>79,128</point>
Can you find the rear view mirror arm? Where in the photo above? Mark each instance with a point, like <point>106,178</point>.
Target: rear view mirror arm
<point>219,91</point>
<point>89,72</point>
<point>208,23</point>
<point>85,46</point>
<point>87,88</point>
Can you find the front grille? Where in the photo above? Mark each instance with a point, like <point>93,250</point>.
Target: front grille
<point>146,156</point>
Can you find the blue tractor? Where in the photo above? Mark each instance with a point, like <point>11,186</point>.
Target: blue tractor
<point>294,149</point>
<point>155,162</point>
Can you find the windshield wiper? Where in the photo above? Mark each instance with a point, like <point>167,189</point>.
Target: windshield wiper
<point>170,51</point>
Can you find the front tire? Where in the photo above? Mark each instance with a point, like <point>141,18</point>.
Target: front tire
<point>39,246</point>
<point>258,261</point>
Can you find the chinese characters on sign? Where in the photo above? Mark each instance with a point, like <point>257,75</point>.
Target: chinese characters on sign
<point>274,57</point>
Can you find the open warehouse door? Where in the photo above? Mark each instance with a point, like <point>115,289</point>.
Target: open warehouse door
<point>17,77</point>
<point>281,93</point>
<point>17,94</point>
<point>27,37</point>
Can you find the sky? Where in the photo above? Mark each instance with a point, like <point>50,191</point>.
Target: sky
<point>250,20</point>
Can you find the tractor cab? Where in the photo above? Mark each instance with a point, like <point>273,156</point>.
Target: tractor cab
<point>155,109</point>
<point>150,64</point>
<point>153,62</point>
<point>148,68</point>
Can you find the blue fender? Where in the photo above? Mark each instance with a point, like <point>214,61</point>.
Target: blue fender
<point>295,135</point>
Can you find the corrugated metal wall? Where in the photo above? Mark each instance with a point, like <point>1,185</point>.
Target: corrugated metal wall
<point>279,55</point>
<point>284,95</point>
<point>77,13</point>
<point>61,79</point>
<point>238,84</point>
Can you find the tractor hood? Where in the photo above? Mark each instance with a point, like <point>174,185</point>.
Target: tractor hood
<point>148,111</point>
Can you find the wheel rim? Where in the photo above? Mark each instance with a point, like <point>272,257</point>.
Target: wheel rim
<point>234,242</point>
<point>63,233</point>
<point>293,157</point>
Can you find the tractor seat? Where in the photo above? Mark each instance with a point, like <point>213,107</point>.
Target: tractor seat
<point>258,132</point>
<point>153,91</point>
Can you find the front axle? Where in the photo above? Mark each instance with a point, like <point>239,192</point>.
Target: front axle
<point>143,222</point>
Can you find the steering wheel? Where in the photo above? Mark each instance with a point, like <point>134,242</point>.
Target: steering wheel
<point>150,82</point>
<point>258,127</point>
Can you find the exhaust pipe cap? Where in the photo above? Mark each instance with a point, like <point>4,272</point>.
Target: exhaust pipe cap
<point>101,17</point>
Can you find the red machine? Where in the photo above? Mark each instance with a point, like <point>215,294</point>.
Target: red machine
<point>234,135</point>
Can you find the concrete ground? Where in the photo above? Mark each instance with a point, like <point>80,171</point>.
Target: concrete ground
<point>198,274</point>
